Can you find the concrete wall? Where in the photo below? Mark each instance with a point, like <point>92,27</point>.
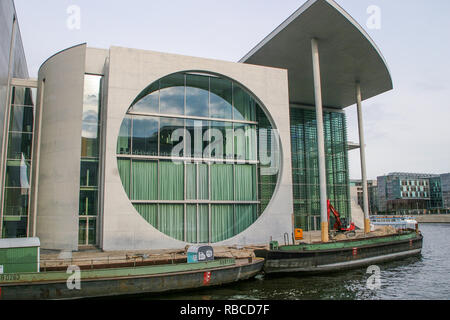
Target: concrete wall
<point>130,71</point>
<point>60,149</point>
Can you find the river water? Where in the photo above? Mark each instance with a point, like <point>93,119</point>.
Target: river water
<point>424,277</point>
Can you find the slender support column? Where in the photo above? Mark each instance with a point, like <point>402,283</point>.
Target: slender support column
<point>320,140</point>
<point>362,151</point>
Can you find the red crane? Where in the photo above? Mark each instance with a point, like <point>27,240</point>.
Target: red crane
<point>338,225</point>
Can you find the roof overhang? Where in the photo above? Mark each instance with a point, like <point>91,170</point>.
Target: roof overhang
<point>347,55</point>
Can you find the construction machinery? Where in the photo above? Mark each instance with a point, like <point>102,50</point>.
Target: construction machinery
<point>340,225</point>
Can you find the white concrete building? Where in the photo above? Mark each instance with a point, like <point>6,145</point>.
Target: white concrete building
<point>133,149</point>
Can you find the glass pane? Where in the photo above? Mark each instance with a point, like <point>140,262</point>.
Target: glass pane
<point>250,142</point>
<point>171,137</point>
<point>145,135</point>
<point>89,140</point>
<point>239,141</point>
<point>15,227</point>
<point>18,173</point>
<point>124,140</point>
<point>199,137</point>
<point>244,104</point>
<point>245,216</point>
<point>191,223</point>
<point>171,181</point>
<point>222,224</point>
<point>89,173</point>
<point>82,232</point>
<point>88,203</point>
<point>203,223</point>
<point>222,182</point>
<point>203,182</point>
<point>92,238</point>
<point>124,166</point>
<point>245,182</point>
<point>145,180</point>
<point>149,212</point>
<point>191,181</point>
<point>91,101</point>
<point>171,220</point>
<point>16,202</point>
<point>24,96</point>
<point>149,101</point>
<point>221,98</point>
<point>19,145</point>
<point>197,95</point>
<point>21,119</point>
<point>221,137</point>
<point>172,94</point>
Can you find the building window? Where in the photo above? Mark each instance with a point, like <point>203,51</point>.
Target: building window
<point>188,157</point>
<point>16,192</point>
<point>89,166</point>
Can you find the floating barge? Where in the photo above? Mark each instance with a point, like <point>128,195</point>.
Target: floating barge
<point>125,281</point>
<point>340,255</point>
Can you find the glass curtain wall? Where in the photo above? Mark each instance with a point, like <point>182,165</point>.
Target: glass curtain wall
<point>187,157</point>
<point>305,166</point>
<point>16,193</point>
<point>89,173</point>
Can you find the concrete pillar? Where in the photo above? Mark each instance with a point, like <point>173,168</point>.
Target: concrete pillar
<point>320,140</point>
<point>362,151</point>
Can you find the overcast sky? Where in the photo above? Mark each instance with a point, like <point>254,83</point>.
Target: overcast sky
<point>406,129</point>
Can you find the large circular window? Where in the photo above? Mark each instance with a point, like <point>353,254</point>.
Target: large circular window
<point>198,157</point>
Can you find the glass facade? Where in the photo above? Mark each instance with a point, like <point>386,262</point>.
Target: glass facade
<point>188,157</point>
<point>305,166</point>
<point>89,173</point>
<point>17,184</point>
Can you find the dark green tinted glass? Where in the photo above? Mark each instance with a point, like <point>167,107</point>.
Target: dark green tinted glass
<point>21,119</point>
<point>18,173</point>
<point>305,171</point>
<point>15,227</point>
<point>88,202</point>
<point>19,145</point>
<point>82,229</point>
<point>16,202</point>
<point>92,229</point>
<point>89,173</point>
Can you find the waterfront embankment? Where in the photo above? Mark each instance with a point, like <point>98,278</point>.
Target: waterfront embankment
<point>433,218</point>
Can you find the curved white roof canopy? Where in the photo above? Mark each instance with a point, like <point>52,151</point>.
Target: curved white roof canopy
<point>347,55</point>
